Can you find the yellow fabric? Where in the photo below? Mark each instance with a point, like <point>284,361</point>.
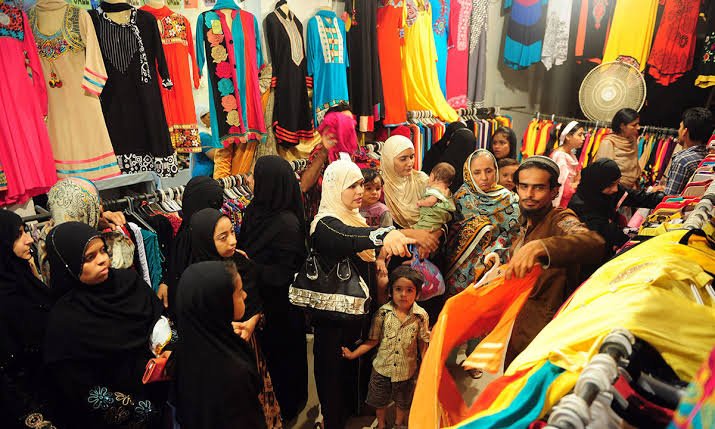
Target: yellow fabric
<point>420,80</point>
<point>649,296</point>
<point>631,31</point>
<point>704,81</point>
<point>235,159</point>
<point>302,150</point>
<point>401,193</point>
<point>339,176</point>
<point>563,384</point>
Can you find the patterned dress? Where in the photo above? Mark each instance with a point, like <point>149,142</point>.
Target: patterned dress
<point>75,77</point>
<point>327,62</point>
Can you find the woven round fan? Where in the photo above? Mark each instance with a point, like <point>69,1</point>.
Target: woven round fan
<point>610,87</point>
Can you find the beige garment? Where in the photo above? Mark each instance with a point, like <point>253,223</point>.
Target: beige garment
<point>70,54</point>
<point>339,176</point>
<point>401,193</point>
<point>302,150</point>
<point>268,96</point>
<point>625,153</point>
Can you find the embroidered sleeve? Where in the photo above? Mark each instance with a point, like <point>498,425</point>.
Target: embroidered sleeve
<point>160,57</point>
<point>379,234</point>
<point>95,75</point>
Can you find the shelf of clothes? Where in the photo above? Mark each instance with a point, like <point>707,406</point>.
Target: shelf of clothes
<point>667,305</point>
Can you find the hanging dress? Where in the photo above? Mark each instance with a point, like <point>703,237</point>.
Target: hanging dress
<point>420,79</point>
<point>631,33</point>
<point>364,74</point>
<point>25,150</point>
<point>390,35</point>
<point>525,33</point>
<point>706,71</point>
<point>292,119</point>
<point>327,62</point>
<point>458,53</point>
<point>131,99</point>
<point>556,36</point>
<point>75,76</point>
<point>178,44</point>
<point>440,27</point>
<point>594,21</point>
<point>477,74</point>
<point>674,47</point>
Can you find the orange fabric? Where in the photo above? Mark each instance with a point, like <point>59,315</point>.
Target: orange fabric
<point>470,314</point>
<point>581,33</point>
<point>390,24</point>
<point>235,159</point>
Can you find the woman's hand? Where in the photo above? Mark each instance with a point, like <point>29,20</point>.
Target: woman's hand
<point>245,329</point>
<point>428,240</point>
<point>163,294</point>
<point>112,220</point>
<point>395,244</point>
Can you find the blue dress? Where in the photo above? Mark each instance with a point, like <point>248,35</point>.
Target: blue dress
<point>440,25</point>
<point>525,34</point>
<point>202,165</point>
<point>328,62</point>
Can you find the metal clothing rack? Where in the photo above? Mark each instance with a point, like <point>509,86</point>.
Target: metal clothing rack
<point>602,124</point>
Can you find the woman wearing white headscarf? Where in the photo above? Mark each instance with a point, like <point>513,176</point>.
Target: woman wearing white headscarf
<point>404,185</point>
<point>339,231</point>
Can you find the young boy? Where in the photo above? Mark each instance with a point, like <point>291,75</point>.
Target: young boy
<point>436,207</point>
<point>507,167</point>
<point>696,128</point>
<point>374,212</point>
<point>398,329</point>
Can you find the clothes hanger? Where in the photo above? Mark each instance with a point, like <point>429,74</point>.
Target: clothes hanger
<point>494,272</point>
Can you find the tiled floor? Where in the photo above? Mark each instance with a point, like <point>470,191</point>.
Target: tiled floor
<point>306,420</point>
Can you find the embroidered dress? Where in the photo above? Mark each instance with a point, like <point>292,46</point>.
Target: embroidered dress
<point>390,35</point>
<point>458,53</point>
<point>418,70</point>
<point>440,27</point>
<point>706,71</point>
<point>292,118</point>
<point>525,33</point>
<point>593,24</point>
<point>364,74</point>
<point>75,77</point>
<point>178,44</point>
<point>25,150</point>
<point>556,37</point>
<point>631,32</point>
<point>674,47</point>
<point>477,74</point>
<point>327,62</point>
<point>131,99</point>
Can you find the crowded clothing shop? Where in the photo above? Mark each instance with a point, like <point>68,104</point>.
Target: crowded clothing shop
<point>347,214</point>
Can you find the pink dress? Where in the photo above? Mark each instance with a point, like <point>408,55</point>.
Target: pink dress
<point>25,151</point>
<point>570,170</point>
<point>458,53</point>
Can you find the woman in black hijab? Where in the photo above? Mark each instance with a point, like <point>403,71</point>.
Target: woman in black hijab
<point>25,303</point>
<point>455,146</point>
<point>599,196</point>
<point>273,236</point>
<point>216,377</point>
<point>97,340</point>
<point>213,239</point>
<point>201,192</point>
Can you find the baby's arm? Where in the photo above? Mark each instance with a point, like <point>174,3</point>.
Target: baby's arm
<point>361,350</point>
<point>427,202</point>
<point>382,260</point>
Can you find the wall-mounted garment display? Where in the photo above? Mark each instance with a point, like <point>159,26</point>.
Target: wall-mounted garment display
<point>440,27</point>
<point>75,76</point>
<point>460,13</point>
<point>178,43</point>
<point>631,32</point>
<point>131,99</point>
<point>419,74</point>
<point>706,72</point>
<point>556,36</point>
<point>228,42</point>
<point>327,62</point>
<point>364,73</point>
<point>390,35</point>
<point>292,118</point>
<point>525,32</point>
<point>477,75</point>
<point>25,150</point>
<point>674,47</point>
<point>593,24</point>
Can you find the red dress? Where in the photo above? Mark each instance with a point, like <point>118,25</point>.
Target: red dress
<point>674,47</point>
<point>389,41</point>
<point>178,102</point>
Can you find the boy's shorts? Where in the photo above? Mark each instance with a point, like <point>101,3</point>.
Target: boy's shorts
<point>381,391</point>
